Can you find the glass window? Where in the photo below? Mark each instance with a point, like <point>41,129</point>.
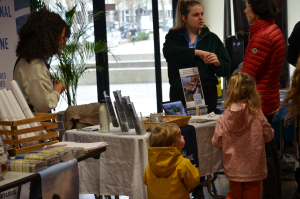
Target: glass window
<point>165,23</point>
<point>130,39</point>
<point>129,26</point>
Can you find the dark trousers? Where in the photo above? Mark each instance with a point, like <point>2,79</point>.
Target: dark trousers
<point>210,96</point>
<point>272,184</point>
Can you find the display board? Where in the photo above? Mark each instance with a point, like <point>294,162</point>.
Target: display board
<point>13,14</point>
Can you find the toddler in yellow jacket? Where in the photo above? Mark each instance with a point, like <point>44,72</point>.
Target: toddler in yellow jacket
<point>168,175</point>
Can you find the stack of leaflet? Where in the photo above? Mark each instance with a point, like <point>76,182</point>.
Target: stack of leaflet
<point>64,153</point>
<point>77,151</point>
<point>88,147</point>
<point>50,159</point>
<point>31,166</point>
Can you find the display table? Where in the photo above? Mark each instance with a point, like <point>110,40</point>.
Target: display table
<point>16,179</point>
<point>121,168</point>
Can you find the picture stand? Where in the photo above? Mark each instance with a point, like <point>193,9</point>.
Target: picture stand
<point>197,111</point>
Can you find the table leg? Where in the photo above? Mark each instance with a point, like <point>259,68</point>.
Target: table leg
<point>98,196</point>
<point>209,188</point>
<point>19,192</point>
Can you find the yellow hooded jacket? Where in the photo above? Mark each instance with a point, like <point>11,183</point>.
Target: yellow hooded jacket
<point>169,175</point>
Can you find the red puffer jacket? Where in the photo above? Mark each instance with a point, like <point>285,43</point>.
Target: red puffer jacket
<point>263,60</point>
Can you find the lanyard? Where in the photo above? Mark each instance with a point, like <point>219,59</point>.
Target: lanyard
<point>189,40</point>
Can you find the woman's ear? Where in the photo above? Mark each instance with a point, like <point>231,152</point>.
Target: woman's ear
<point>183,18</point>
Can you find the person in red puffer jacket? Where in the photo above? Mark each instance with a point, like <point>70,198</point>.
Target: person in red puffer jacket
<point>263,60</point>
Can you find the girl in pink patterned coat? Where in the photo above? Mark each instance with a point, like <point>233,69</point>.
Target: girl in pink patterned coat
<point>241,132</point>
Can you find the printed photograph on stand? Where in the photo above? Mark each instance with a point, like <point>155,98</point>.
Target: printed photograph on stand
<point>192,87</point>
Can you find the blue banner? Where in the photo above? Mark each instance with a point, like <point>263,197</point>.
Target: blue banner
<point>13,14</point>
<point>61,181</point>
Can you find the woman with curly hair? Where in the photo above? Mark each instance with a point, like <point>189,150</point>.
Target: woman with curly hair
<point>40,38</point>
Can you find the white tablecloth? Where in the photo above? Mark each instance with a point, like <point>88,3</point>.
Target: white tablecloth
<point>121,168</point>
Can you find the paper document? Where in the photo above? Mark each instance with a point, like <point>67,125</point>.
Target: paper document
<point>192,87</point>
<point>86,146</point>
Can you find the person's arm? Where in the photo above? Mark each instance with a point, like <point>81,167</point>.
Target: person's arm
<point>293,49</point>
<point>222,69</point>
<point>175,53</point>
<point>40,92</point>
<point>217,137</point>
<point>268,132</point>
<point>188,174</point>
<point>259,52</point>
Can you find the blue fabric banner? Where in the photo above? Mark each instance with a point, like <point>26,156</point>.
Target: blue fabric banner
<point>61,181</point>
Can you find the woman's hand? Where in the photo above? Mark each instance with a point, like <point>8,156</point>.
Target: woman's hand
<point>207,57</point>
<point>58,86</point>
<point>202,54</point>
<point>211,58</point>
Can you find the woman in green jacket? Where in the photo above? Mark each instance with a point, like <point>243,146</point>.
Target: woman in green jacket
<point>191,44</point>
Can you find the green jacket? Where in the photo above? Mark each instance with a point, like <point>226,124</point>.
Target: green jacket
<point>179,55</point>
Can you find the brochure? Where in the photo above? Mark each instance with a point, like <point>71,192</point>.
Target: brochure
<point>192,87</point>
<point>111,111</point>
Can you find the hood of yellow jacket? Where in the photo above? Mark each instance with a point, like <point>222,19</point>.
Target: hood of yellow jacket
<point>163,160</point>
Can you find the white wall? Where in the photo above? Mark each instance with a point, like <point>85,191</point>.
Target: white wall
<point>293,17</point>
<point>214,16</point>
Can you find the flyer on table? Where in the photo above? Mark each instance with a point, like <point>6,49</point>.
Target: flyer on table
<point>192,87</point>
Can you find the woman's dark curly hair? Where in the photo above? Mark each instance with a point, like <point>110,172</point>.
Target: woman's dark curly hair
<point>39,36</point>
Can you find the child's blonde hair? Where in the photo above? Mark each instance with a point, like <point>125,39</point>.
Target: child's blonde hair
<point>242,89</point>
<point>183,8</point>
<point>163,135</point>
<point>292,98</point>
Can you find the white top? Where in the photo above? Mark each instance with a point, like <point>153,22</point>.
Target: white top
<point>35,82</point>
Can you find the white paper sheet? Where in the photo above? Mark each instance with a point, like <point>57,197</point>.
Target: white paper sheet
<point>21,115</point>
<point>10,114</point>
<point>192,88</point>
<point>24,106</point>
<point>205,117</point>
<point>86,146</point>
<point>2,127</point>
<point>3,116</point>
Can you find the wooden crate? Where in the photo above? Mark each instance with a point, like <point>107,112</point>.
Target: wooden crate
<point>39,117</point>
<point>177,119</point>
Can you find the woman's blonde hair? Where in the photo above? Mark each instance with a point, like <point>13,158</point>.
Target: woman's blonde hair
<point>292,98</point>
<point>242,89</point>
<point>163,135</point>
<point>183,8</point>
